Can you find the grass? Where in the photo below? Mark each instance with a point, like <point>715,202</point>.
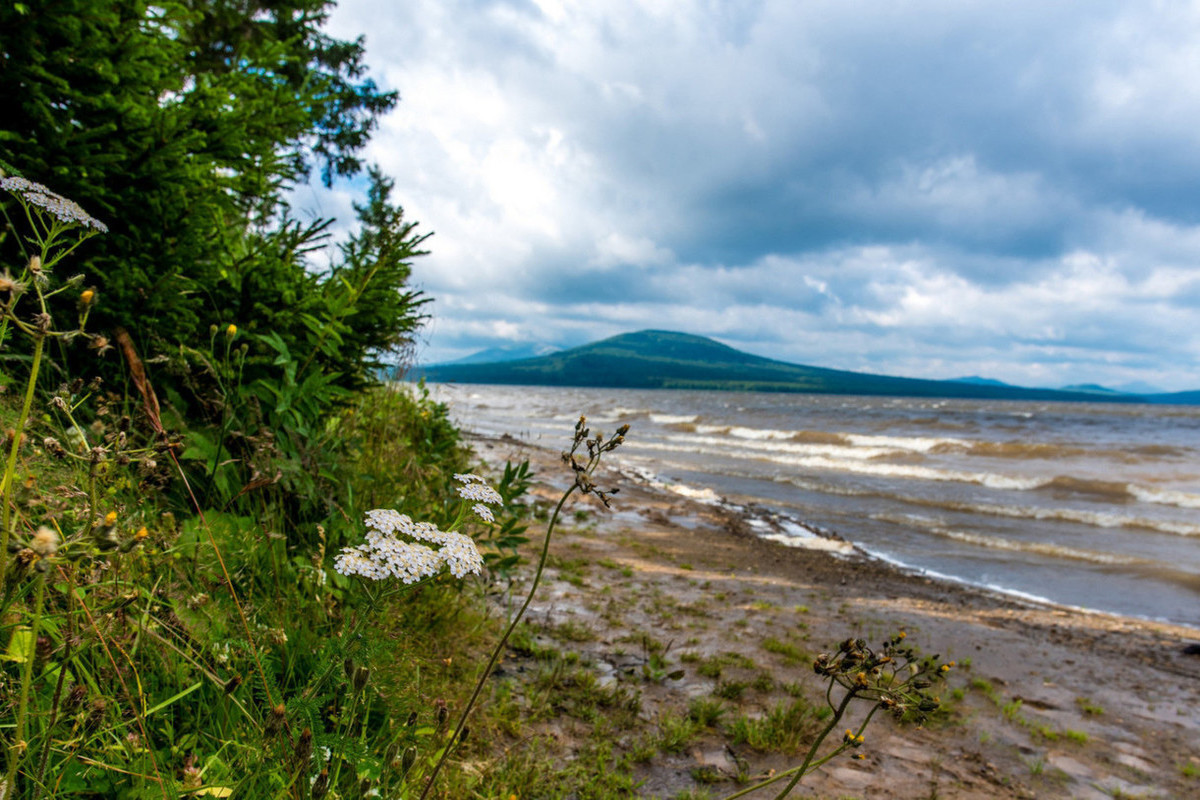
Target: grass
<point>783,728</point>
<point>706,711</point>
<point>791,654</point>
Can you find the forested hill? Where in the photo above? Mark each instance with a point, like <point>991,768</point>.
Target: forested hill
<point>668,360</point>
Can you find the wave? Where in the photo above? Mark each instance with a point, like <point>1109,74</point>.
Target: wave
<point>1041,548</point>
<point>1031,450</point>
<point>916,444</point>
<point>708,444</point>
<point>1013,545</point>
<point>1166,497</point>
<point>673,419</point>
<point>868,461</point>
<point>1095,519</point>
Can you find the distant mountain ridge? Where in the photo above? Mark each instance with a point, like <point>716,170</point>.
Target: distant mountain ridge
<point>654,359</point>
<point>507,352</point>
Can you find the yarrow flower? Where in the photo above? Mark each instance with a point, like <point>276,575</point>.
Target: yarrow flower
<point>473,488</point>
<point>64,209</point>
<point>385,555</point>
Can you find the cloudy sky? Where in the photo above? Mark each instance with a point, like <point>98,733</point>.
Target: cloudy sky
<point>930,189</point>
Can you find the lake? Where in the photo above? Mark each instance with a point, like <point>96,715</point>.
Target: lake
<point>1092,505</point>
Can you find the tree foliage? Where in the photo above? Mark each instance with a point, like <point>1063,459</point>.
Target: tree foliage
<point>182,124</point>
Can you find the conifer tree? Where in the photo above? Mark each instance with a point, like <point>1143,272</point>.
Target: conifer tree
<point>182,124</point>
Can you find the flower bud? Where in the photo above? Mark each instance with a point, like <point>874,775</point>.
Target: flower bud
<point>303,748</point>
<point>407,760</point>
<point>320,784</point>
<point>86,297</point>
<point>361,675</point>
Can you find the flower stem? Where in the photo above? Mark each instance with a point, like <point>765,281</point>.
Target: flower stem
<point>11,467</point>
<point>19,747</point>
<point>487,670</point>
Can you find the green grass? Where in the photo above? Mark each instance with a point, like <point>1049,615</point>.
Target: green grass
<point>784,728</point>
<point>791,654</point>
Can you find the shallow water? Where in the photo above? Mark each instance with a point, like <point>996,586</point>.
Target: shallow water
<point>1086,504</point>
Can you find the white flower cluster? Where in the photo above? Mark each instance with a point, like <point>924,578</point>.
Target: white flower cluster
<point>385,555</point>
<point>474,488</point>
<point>38,195</point>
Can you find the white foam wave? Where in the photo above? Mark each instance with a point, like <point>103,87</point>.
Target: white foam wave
<point>833,458</point>
<point>1098,519</point>
<point>673,419</point>
<point>915,444</point>
<point>1166,497</point>
<point>759,434</point>
<point>701,444</point>
<point>1039,548</point>
<point>811,543</point>
<point>914,471</point>
<point>702,495</point>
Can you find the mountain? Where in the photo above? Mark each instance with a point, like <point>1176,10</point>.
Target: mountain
<point>1092,388</point>
<point>667,360</point>
<point>1140,387</point>
<point>506,352</point>
<point>978,381</point>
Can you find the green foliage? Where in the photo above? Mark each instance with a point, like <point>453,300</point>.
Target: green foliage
<point>126,107</point>
<point>508,534</point>
<point>784,728</point>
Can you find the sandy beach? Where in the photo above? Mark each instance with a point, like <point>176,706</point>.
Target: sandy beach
<point>1044,702</point>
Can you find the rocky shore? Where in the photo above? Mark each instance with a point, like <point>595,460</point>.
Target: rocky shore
<point>1044,702</point>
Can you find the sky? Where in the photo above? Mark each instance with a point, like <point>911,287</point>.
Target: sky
<point>927,189</point>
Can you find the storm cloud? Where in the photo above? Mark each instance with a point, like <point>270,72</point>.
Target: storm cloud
<point>929,189</point>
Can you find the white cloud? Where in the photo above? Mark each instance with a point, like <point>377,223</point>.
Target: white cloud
<point>925,189</point>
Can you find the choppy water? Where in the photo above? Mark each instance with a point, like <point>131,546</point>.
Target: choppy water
<point>1091,505</point>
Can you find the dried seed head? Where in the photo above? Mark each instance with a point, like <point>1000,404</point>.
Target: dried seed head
<point>45,541</point>
<point>303,749</point>
<point>407,760</point>
<point>75,698</point>
<point>275,720</point>
<point>43,649</point>
<point>361,675</point>
<point>320,784</point>
<point>95,714</point>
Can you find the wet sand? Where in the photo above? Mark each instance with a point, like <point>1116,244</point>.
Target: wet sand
<point>1053,702</point>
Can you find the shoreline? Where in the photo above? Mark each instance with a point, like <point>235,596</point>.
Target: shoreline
<point>700,575</point>
<point>757,516</point>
